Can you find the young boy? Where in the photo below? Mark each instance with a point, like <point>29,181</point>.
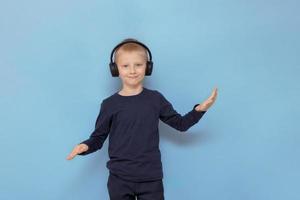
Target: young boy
<point>130,117</point>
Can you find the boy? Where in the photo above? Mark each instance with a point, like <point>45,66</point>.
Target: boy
<point>130,117</point>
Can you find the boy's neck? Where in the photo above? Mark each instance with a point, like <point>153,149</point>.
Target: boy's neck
<point>129,90</point>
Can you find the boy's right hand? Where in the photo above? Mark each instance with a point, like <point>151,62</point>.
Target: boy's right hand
<point>77,150</point>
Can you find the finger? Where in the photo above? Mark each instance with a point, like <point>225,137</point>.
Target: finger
<point>210,101</point>
<point>215,91</point>
<point>73,154</point>
<point>214,94</point>
<point>212,98</point>
<point>70,157</point>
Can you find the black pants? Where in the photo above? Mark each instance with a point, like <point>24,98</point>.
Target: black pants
<point>120,189</point>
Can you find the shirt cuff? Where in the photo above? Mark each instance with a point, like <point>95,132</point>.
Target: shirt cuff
<point>197,114</point>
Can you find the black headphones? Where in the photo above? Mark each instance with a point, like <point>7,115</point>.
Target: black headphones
<point>113,66</point>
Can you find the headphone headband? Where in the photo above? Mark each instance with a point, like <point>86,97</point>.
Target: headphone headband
<point>130,40</point>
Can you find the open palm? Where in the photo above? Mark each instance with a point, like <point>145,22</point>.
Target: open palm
<point>205,105</point>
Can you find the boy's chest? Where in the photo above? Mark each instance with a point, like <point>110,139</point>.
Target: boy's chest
<point>136,111</point>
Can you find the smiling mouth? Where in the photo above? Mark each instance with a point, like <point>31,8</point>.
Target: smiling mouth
<point>133,77</point>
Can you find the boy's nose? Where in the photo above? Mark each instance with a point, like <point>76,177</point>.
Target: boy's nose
<point>132,69</point>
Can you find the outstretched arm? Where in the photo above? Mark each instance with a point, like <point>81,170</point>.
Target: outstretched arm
<point>98,136</point>
<point>182,123</point>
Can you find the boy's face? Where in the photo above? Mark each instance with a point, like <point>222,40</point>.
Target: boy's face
<point>132,67</point>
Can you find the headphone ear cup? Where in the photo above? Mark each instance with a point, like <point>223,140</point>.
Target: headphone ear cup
<point>149,68</point>
<point>113,69</point>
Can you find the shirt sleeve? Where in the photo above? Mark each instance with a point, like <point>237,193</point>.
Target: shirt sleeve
<point>101,131</point>
<point>171,117</point>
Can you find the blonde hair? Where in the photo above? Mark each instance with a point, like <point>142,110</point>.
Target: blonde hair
<point>131,47</point>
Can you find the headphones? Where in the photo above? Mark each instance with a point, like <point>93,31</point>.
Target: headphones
<point>113,66</point>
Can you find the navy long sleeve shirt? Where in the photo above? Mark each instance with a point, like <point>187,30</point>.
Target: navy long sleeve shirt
<point>131,122</point>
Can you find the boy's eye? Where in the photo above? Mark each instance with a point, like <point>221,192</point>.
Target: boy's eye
<point>136,65</point>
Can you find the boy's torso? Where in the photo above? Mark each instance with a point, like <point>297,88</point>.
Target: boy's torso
<point>134,136</point>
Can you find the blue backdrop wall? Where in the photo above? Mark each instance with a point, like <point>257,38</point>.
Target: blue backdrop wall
<point>54,74</point>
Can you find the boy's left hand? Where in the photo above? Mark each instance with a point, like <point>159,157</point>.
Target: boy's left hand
<point>208,102</point>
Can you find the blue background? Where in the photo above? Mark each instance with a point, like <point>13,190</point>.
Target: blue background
<point>54,74</point>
